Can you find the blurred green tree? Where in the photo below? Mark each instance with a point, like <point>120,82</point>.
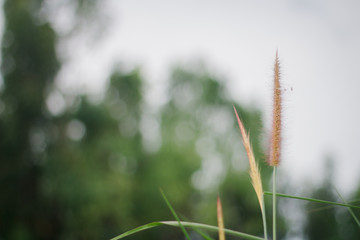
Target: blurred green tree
<point>328,222</point>
<point>92,170</point>
<point>321,223</point>
<point>29,66</point>
<point>92,174</point>
<point>202,154</point>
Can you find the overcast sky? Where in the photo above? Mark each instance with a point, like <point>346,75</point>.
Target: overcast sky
<point>319,49</point>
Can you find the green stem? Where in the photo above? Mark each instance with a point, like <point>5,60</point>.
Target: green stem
<point>311,200</point>
<point>187,224</point>
<point>263,212</point>
<point>274,204</point>
<point>349,209</point>
<point>175,215</point>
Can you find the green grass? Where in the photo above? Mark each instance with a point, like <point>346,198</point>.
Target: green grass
<point>190,225</point>
<point>256,182</point>
<point>175,215</point>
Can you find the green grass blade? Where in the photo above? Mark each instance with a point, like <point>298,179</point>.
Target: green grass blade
<point>201,233</point>
<point>214,229</point>
<point>204,235</point>
<point>312,200</point>
<point>190,225</point>
<point>175,215</point>
<point>349,209</point>
<point>138,229</point>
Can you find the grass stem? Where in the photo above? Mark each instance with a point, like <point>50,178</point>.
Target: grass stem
<point>311,200</point>
<point>175,215</point>
<point>274,204</point>
<point>349,209</point>
<point>220,219</point>
<point>263,212</point>
<point>187,224</point>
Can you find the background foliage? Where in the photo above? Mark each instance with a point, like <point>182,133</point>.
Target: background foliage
<point>93,170</point>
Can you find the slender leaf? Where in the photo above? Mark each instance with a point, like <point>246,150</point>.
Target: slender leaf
<point>190,225</point>
<point>175,215</point>
<point>349,209</point>
<point>311,200</point>
<point>138,229</point>
<point>200,232</point>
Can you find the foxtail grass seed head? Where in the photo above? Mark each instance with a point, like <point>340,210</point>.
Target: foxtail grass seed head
<point>275,141</point>
<point>220,219</point>
<point>254,168</point>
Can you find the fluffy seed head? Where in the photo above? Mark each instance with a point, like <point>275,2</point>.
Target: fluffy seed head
<point>254,168</point>
<point>275,141</point>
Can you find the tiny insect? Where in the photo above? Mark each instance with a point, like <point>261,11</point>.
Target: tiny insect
<point>286,89</point>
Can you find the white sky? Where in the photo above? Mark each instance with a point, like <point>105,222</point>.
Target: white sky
<point>319,48</point>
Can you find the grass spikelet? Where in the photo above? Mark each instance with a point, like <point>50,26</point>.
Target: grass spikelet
<point>254,169</point>
<point>275,147</point>
<point>220,219</point>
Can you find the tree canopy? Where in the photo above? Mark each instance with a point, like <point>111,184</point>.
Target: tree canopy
<point>93,170</point>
